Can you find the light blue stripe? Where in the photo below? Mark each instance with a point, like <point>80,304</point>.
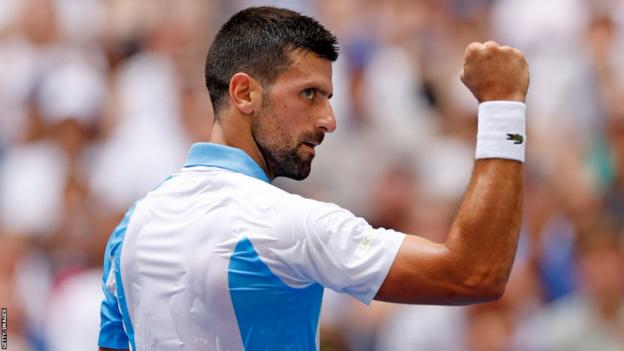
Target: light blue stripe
<point>120,289</point>
<point>111,335</point>
<point>223,156</point>
<point>270,314</point>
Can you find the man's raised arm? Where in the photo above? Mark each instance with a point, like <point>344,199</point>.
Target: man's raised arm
<point>474,262</point>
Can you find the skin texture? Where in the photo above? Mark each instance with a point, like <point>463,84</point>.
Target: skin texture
<point>278,126</point>
<point>474,262</point>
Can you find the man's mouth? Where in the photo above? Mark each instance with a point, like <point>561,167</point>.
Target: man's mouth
<point>315,141</point>
<point>312,144</point>
<point>312,141</point>
<point>311,147</point>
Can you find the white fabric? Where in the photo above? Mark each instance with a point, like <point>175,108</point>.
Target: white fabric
<point>501,130</point>
<point>180,238</point>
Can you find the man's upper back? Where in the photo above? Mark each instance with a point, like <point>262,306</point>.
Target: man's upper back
<point>217,258</point>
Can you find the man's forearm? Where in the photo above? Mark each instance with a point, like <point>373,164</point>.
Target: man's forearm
<point>483,239</point>
<point>474,262</point>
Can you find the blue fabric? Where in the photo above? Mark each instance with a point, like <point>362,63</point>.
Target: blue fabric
<point>114,310</point>
<point>270,314</point>
<point>226,157</point>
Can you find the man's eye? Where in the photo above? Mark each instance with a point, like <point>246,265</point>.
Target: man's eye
<point>309,93</point>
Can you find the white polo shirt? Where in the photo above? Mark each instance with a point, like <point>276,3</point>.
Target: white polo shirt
<point>217,258</point>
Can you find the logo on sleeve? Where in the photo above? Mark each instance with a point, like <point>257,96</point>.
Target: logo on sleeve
<point>366,242</point>
<point>516,138</point>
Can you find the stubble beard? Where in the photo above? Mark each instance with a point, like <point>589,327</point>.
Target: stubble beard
<point>278,148</point>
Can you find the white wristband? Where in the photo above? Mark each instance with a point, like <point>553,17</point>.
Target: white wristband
<point>501,131</point>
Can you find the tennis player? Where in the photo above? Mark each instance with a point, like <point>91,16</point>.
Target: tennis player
<point>217,258</point>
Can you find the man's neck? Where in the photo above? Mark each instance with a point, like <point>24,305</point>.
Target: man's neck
<point>239,135</point>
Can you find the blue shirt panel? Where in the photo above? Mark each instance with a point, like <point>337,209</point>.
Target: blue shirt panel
<point>114,311</point>
<point>270,314</point>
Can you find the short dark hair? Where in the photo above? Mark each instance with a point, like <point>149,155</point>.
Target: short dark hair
<point>257,41</point>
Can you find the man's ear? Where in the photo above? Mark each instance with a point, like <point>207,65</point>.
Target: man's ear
<point>245,93</point>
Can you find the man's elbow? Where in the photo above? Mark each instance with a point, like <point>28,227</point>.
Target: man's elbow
<point>484,286</point>
<point>490,294</point>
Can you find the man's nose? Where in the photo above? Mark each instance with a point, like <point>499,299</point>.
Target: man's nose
<point>327,120</point>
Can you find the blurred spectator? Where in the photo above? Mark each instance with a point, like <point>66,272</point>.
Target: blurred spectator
<point>99,101</point>
<point>592,318</point>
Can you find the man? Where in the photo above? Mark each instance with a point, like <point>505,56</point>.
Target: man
<point>217,258</point>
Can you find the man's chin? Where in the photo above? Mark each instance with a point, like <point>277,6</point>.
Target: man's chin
<point>300,175</point>
<point>299,172</point>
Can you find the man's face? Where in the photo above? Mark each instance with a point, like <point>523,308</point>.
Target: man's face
<point>295,116</point>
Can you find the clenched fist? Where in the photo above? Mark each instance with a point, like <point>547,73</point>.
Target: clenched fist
<point>494,72</point>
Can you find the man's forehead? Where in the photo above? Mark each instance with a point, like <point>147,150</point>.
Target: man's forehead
<point>306,65</point>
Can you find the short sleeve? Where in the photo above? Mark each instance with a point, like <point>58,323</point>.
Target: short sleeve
<point>329,245</point>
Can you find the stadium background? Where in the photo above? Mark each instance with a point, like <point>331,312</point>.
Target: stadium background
<point>99,101</point>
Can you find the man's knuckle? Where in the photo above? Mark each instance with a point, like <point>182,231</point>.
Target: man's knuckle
<point>473,48</point>
<point>491,44</point>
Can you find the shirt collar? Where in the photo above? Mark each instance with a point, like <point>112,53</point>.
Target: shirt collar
<point>226,157</point>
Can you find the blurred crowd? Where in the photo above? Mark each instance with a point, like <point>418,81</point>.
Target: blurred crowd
<point>101,99</point>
